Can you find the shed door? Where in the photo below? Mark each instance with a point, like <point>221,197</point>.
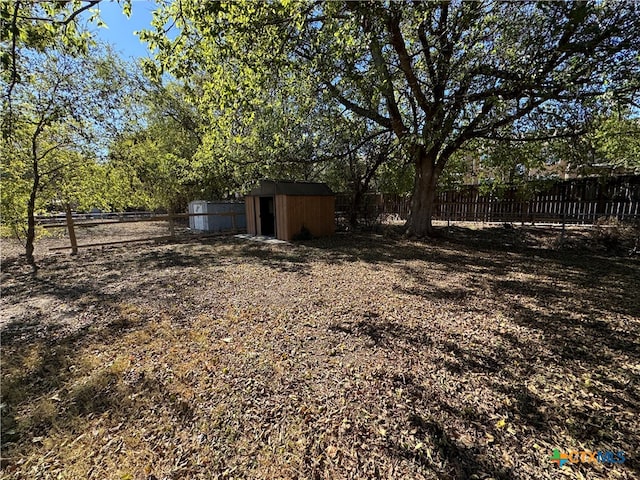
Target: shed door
<point>267,217</point>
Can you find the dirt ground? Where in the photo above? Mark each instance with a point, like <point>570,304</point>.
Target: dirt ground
<point>471,356</point>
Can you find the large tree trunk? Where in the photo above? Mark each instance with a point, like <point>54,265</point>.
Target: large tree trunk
<point>424,194</point>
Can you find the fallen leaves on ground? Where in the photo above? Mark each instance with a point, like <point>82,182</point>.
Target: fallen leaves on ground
<point>352,357</point>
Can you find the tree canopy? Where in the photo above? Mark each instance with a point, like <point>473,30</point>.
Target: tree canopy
<point>62,99</point>
<point>28,26</point>
<point>354,93</point>
<point>435,74</point>
<point>65,110</point>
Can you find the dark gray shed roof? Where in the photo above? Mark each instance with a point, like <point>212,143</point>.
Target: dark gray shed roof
<point>270,187</point>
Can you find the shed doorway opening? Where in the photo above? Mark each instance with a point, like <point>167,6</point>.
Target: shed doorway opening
<point>267,217</point>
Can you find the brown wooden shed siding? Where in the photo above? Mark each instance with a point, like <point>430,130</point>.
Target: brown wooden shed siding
<point>316,213</point>
<point>281,217</point>
<point>250,206</point>
<point>292,212</point>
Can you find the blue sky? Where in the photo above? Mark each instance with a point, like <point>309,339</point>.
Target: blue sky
<point>119,29</point>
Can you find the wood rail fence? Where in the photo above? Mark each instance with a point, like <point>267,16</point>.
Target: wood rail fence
<point>70,222</point>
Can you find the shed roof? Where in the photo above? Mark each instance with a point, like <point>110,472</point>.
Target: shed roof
<point>270,187</point>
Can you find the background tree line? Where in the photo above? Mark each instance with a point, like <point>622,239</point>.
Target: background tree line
<point>394,97</point>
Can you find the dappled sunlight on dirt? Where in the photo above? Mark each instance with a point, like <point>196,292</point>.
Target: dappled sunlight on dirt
<point>361,356</point>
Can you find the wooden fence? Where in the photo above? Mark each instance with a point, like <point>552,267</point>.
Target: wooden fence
<point>374,207</point>
<point>578,201</point>
<point>573,201</point>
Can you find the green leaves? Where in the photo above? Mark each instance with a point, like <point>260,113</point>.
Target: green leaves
<point>273,77</point>
<point>64,112</point>
<point>156,160</point>
<point>126,8</point>
<point>616,140</point>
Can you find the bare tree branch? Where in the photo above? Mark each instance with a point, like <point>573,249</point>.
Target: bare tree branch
<point>367,113</point>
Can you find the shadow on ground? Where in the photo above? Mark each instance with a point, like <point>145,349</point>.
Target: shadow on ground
<point>506,350</point>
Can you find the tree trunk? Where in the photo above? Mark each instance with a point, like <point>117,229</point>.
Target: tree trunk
<point>31,204</point>
<point>424,194</point>
<point>356,205</point>
<point>31,223</point>
<point>360,187</point>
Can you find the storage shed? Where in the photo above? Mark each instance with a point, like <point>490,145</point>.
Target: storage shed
<point>283,209</point>
<point>217,216</point>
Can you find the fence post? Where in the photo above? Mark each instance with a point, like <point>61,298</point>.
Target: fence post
<point>71,230</point>
<point>172,227</point>
<point>564,225</point>
<point>233,222</point>
<point>532,210</point>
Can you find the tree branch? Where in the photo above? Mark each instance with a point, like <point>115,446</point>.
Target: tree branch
<point>66,21</point>
<point>426,52</point>
<point>371,115</point>
<point>387,87</point>
<point>467,133</point>
<point>59,167</point>
<point>51,149</point>
<point>73,15</point>
<point>519,113</point>
<point>355,148</point>
<point>534,138</point>
<point>14,66</point>
<point>397,40</point>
